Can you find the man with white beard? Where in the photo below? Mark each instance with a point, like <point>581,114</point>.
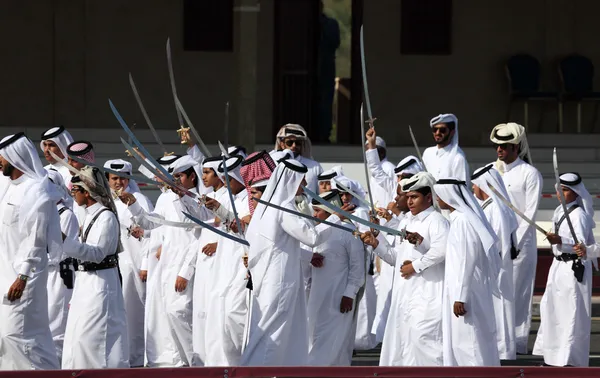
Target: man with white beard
<point>61,277</point>
<point>30,232</point>
<point>468,324</point>
<point>504,223</point>
<point>96,335</point>
<point>56,139</point>
<point>130,260</point>
<point>413,334</point>
<point>331,305</point>
<point>565,310</point>
<point>446,159</point>
<point>293,137</point>
<point>524,186</point>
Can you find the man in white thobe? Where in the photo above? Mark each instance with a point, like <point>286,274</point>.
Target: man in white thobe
<point>82,150</point>
<point>293,137</point>
<point>413,334</point>
<point>332,303</point>
<point>324,179</point>
<point>135,241</point>
<point>468,324</point>
<point>278,334</point>
<point>524,186</point>
<point>446,159</point>
<point>96,335</point>
<point>30,232</point>
<point>565,310</point>
<point>56,139</point>
<point>504,223</point>
<point>61,277</point>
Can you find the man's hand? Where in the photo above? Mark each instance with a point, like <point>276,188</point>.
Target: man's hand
<point>414,238</point>
<point>180,284</point>
<point>459,309</point>
<point>158,252</point>
<point>407,269</point>
<point>212,204</point>
<point>245,261</point>
<point>137,232</point>
<point>246,220</point>
<point>384,213</point>
<point>144,275</point>
<point>185,137</point>
<point>16,289</point>
<point>346,305</point>
<point>127,198</point>
<point>553,238</point>
<point>580,250</point>
<point>369,238</point>
<point>393,207</point>
<point>371,136</point>
<point>209,249</point>
<point>348,207</point>
<point>233,226</point>
<point>317,260</point>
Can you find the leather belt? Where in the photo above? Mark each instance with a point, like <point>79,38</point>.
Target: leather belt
<point>109,262</point>
<point>566,257</point>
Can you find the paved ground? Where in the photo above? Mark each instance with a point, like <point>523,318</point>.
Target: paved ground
<point>371,357</point>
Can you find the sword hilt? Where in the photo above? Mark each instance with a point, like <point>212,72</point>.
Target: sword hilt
<point>184,134</point>
<point>370,121</point>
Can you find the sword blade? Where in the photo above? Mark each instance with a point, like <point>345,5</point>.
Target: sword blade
<point>191,125</point>
<point>117,173</point>
<point>230,193</point>
<point>414,140</point>
<point>352,217</point>
<point>513,208</point>
<point>346,189</point>
<point>216,230</point>
<point>145,114</point>
<point>364,73</point>
<point>169,223</point>
<point>223,150</point>
<point>226,124</point>
<point>172,80</point>
<point>367,175</point>
<point>563,203</point>
<point>280,208</point>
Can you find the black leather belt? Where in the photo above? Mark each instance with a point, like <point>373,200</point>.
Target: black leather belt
<point>566,257</point>
<point>109,262</point>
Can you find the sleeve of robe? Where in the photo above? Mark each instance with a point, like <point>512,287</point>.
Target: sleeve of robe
<point>385,251</point>
<point>69,227</point>
<point>302,230</point>
<point>381,177</point>
<point>533,192</point>
<point>107,245</point>
<point>33,247</point>
<point>356,266</point>
<point>189,264</point>
<point>578,218</point>
<point>436,243</point>
<point>461,168</point>
<point>195,153</point>
<point>469,245</point>
<point>138,211</point>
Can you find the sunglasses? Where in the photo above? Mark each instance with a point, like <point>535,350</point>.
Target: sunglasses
<point>76,189</point>
<point>291,142</point>
<point>442,130</point>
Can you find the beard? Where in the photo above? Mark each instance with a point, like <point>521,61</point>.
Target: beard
<point>7,169</point>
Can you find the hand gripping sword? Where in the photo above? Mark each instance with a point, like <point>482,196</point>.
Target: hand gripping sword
<point>563,203</point>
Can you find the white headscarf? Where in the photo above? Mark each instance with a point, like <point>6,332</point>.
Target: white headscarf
<point>417,181</point>
<point>447,118</point>
<point>333,197</point>
<point>350,184</point>
<point>234,164</point>
<point>183,164</point>
<point>58,135</point>
<point>512,133</point>
<point>573,181</point>
<point>484,175</point>
<point>236,151</point>
<point>278,156</point>
<point>292,129</point>
<point>335,171</point>
<point>18,150</point>
<point>123,166</point>
<point>455,193</point>
<point>57,180</point>
<point>164,161</point>
<point>409,165</point>
<point>265,231</point>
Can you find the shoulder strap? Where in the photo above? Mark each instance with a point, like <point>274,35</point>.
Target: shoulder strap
<point>562,219</point>
<point>486,203</point>
<point>62,210</point>
<point>89,227</point>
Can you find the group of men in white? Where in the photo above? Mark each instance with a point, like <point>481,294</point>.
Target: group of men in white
<point>266,260</point>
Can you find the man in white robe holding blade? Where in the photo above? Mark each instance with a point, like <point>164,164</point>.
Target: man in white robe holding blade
<point>30,231</point>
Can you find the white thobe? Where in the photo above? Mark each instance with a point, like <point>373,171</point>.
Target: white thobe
<point>134,289</point>
<point>314,170</point>
<point>59,295</point>
<point>226,307</point>
<point>203,284</point>
<point>330,332</point>
<point>442,164</point>
<point>469,340</point>
<point>565,310</point>
<point>278,330</point>
<point>96,335</point>
<point>64,171</point>
<point>25,337</point>
<point>524,186</point>
<point>413,335</point>
<point>504,296</point>
<point>176,350</point>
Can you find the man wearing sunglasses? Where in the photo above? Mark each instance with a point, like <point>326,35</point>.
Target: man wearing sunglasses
<point>446,159</point>
<point>524,186</point>
<point>294,138</point>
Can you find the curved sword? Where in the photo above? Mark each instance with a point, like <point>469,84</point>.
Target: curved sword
<point>368,176</point>
<point>230,193</point>
<point>517,211</point>
<point>364,77</point>
<point>145,114</point>
<point>216,230</point>
<point>172,80</point>
<point>169,223</point>
<point>191,126</point>
<point>348,190</point>
<point>563,203</point>
<point>414,140</point>
<point>117,173</point>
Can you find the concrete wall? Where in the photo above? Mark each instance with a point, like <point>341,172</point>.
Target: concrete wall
<point>64,58</point>
<point>471,82</point>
